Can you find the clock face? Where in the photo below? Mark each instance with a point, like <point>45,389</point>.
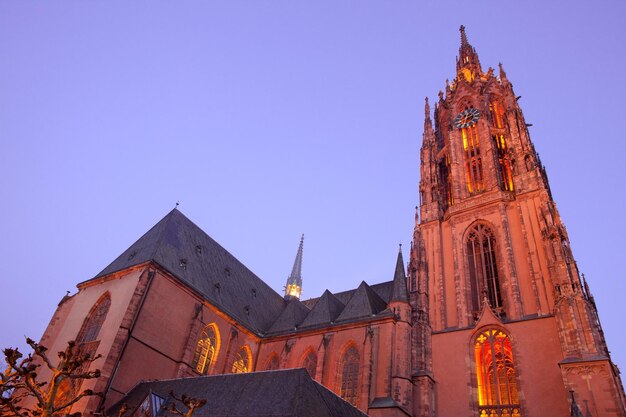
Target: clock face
<point>467,118</point>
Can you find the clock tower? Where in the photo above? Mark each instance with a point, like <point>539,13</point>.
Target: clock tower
<point>505,324</point>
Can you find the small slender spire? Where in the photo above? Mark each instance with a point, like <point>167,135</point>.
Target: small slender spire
<point>464,42</point>
<point>293,289</point>
<point>502,73</point>
<point>399,291</point>
<point>468,58</point>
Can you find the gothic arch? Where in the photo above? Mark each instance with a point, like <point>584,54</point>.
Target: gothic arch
<point>308,361</point>
<point>272,363</point>
<point>207,349</point>
<point>348,372</point>
<point>483,267</point>
<point>86,344</point>
<point>495,379</point>
<point>93,322</point>
<point>243,361</point>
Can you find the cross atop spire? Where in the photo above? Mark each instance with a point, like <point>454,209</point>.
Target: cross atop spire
<point>294,282</point>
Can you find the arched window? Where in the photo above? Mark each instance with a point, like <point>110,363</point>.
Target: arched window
<point>349,375</point>
<point>206,349</point>
<point>495,375</point>
<point>86,344</point>
<point>310,363</point>
<point>272,363</point>
<point>473,160</point>
<point>93,322</point>
<point>481,256</point>
<point>243,361</point>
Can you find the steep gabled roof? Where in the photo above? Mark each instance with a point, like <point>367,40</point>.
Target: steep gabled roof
<point>326,310</point>
<point>291,317</point>
<point>364,303</point>
<point>188,253</point>
<point>285,393</point>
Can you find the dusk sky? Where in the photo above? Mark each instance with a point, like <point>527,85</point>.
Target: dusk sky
<point>268,119</point>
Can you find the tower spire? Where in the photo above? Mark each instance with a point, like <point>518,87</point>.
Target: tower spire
<point>293,289</point>
<point>398,291</point>
<point>467,63</point>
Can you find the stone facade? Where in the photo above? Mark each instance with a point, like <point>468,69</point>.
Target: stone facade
<point>492,318</point>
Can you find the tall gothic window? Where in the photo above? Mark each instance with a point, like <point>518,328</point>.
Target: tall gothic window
<point>445,173</point>
<point>349,375</point>
<point>272,363</point>
<point>93,322</point>
<point>473,160</point>
<point>206,349</point>
<point>87,344</point>
<point>243,361</point>
<point>504,162</point>
<point>481,256</point>
<point>495,375</point>
<point>310,363</point>
<point>497,114</point>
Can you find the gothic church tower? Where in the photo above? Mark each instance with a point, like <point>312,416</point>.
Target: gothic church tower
<point>504,324</point>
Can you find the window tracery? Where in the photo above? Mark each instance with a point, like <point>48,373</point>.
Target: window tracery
<point>272,362</point>
<point>496,376</point>
<point>349,375</point>
<point>207,349</point>
<point>473,160</point>
<point>483,270</point>
<point>310,364</point>
<point>243,361</point>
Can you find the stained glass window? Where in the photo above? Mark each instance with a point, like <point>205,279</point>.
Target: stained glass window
<point>496,375</point>
<point>243,361</point>
<point>206,349</point>
<point>349,368</point>
<point>310,363</point>
<point>473,160</point>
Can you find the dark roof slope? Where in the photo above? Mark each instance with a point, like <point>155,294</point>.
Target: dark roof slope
<point>187,252</point>
<point>287,393</point>
<point>399,291</point>
<point>326,310</point>
<point>290,318</point>
<point>364,303</point>
<point>383,290</point>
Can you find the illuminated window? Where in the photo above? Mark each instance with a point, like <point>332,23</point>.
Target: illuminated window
<point>206,349</point>
<point>310,363</point>
<point>495,375</point>
<point>243,361</point>
<point>272,362</point>
<point>349,375</point>
<point>504,162</point>
<point>497,114</point>
<point>473,160</point>
<point>481,255</point>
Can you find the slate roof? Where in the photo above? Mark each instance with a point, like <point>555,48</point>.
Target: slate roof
<point>286,393</point>
<point>364,303</point>
<point>182,248</point>
<point>187,252</point>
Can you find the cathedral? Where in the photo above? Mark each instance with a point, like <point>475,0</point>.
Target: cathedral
<point>488,317</point>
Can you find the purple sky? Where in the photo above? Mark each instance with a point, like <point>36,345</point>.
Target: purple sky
<point>271,119</point>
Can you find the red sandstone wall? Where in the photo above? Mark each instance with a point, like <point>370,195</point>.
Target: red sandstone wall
<point>537,353</point>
